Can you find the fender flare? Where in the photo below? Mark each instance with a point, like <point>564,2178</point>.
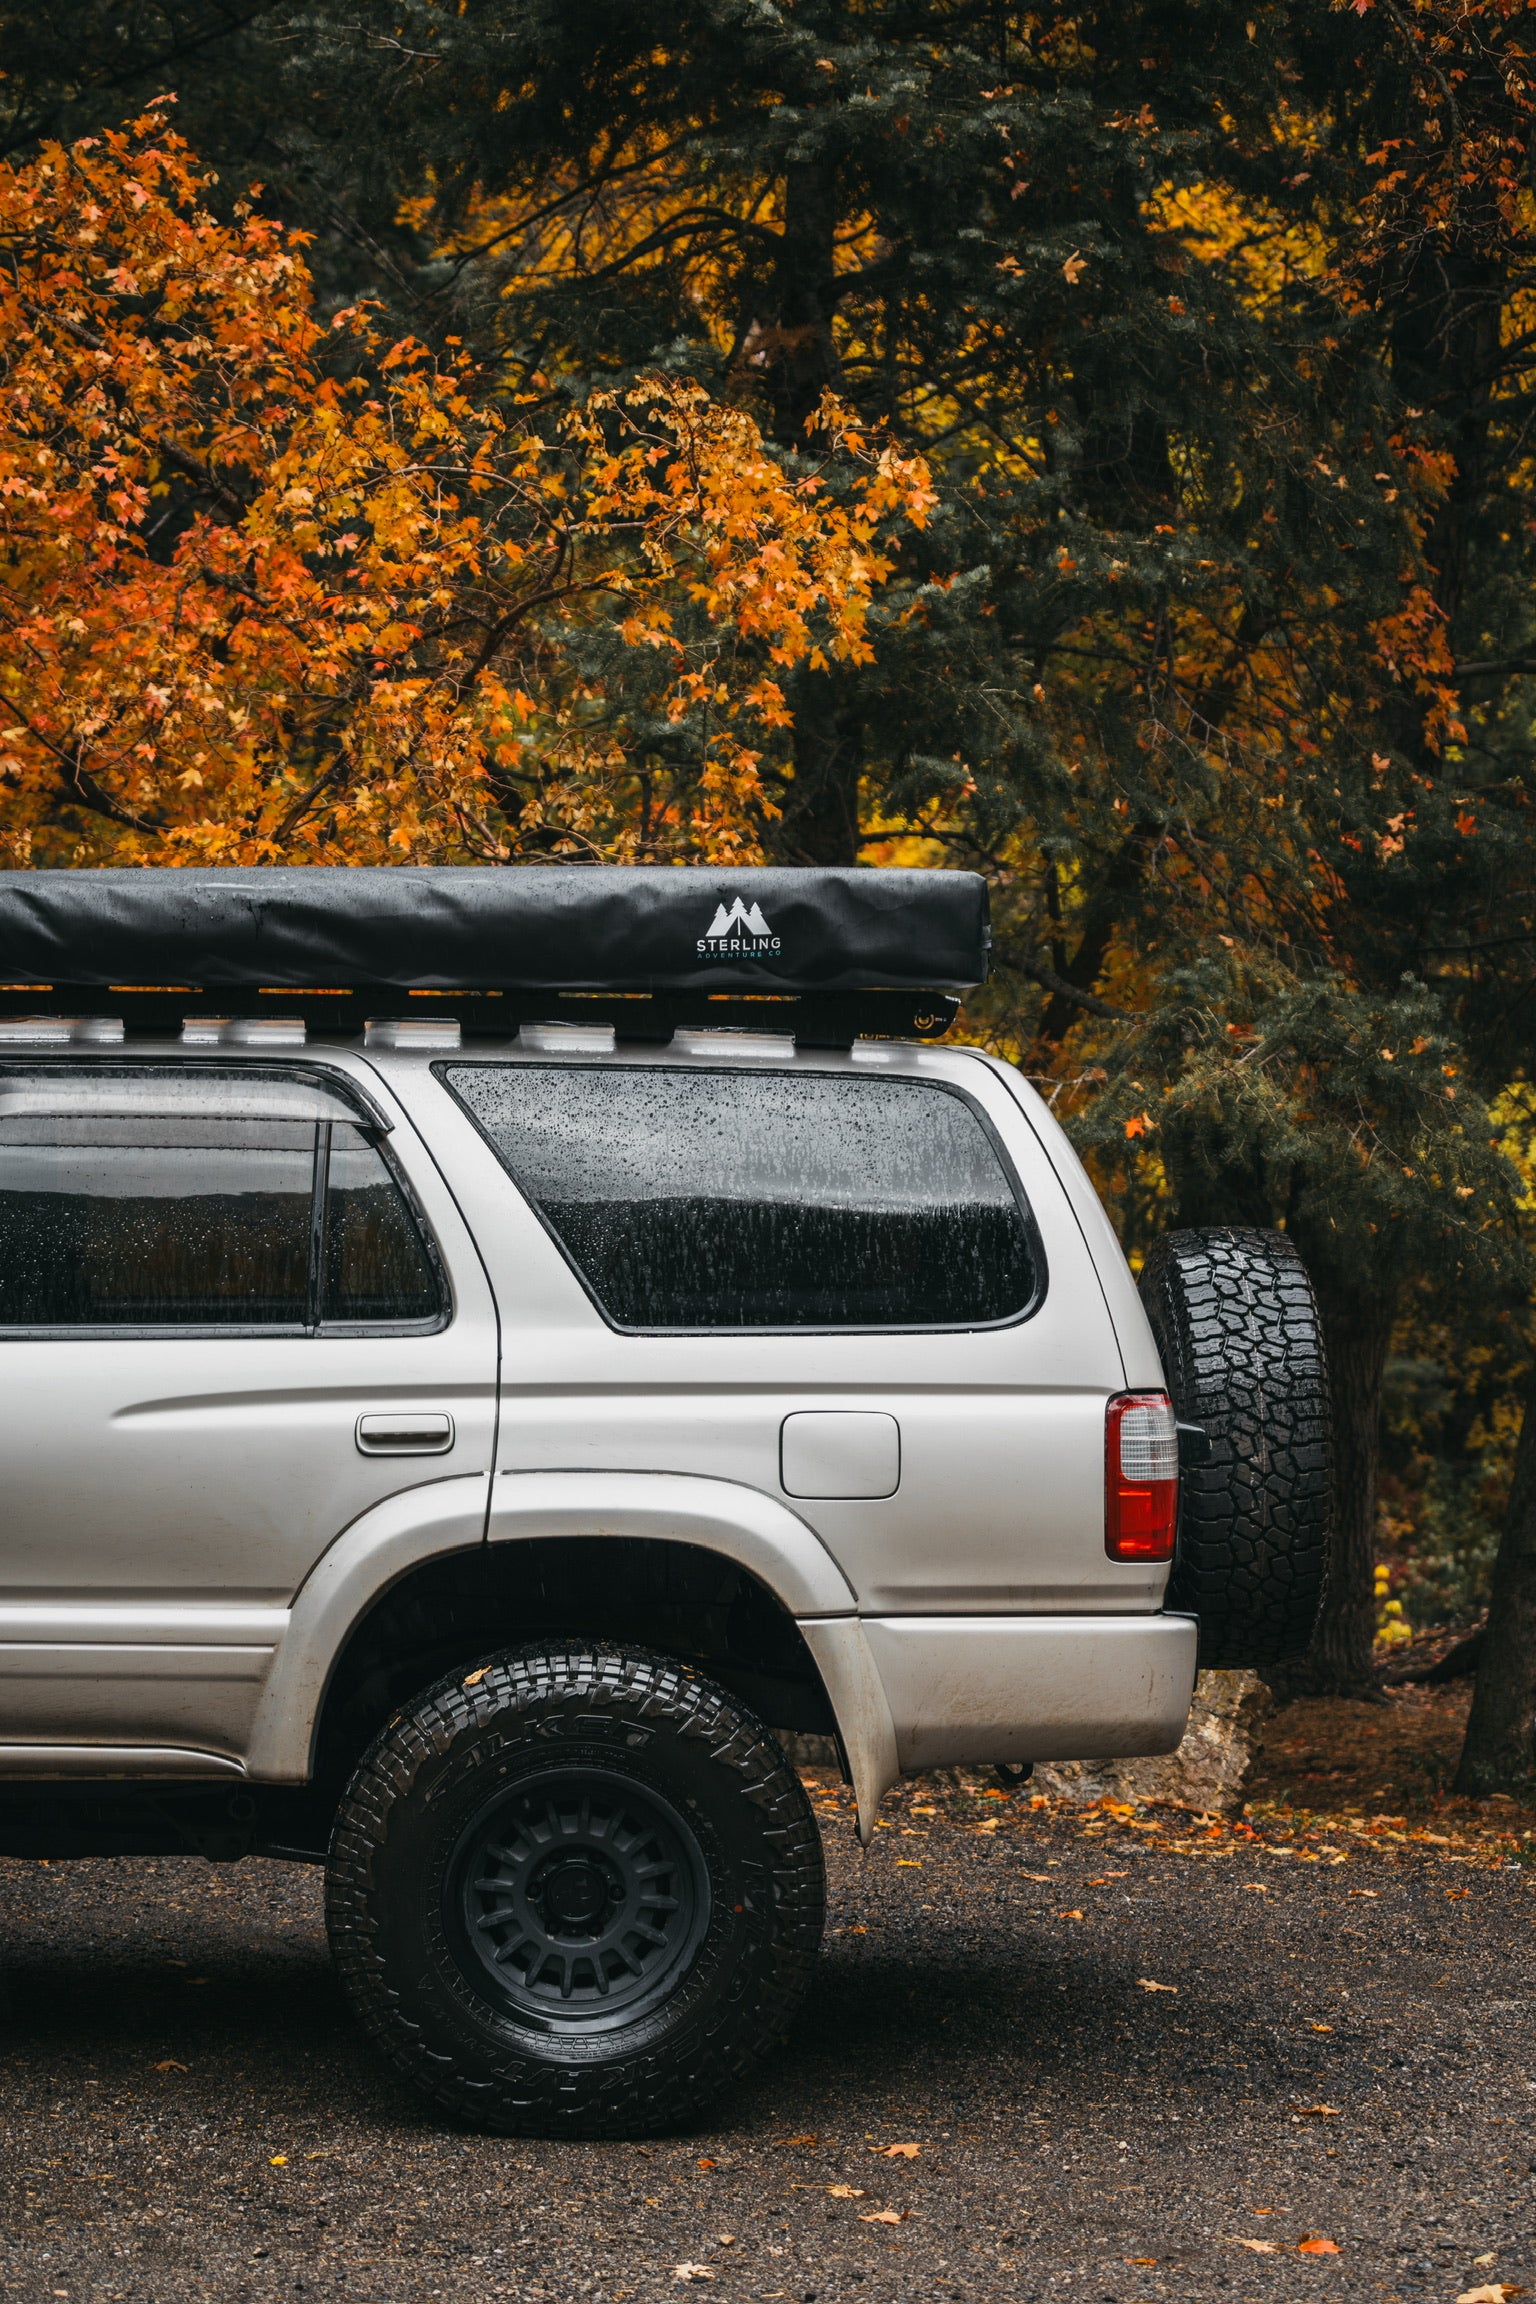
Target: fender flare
<point>856,1693</point>
<point>419,1524</point>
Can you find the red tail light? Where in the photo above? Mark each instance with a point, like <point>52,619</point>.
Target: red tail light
<point>1141,1477</point>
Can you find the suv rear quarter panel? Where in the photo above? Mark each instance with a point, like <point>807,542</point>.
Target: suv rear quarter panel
<point>999,1505</point>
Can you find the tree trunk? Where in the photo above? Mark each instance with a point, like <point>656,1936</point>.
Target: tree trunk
<point>802,358</point>
<point>1117,891</point>
<point>1357,1330</point>
<point>1499,1753</point>
<point>820,820</point>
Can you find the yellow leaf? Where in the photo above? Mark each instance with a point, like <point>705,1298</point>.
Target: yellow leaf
<point>887,2216</point>
<point>899,2151</point>
<point>845,2192</point>
<point>1259,2247</point>
<point>278,2160</point>
<point>1147,1985</point>
<point>1074,268</point>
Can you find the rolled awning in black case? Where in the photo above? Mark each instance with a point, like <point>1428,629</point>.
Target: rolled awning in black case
<point>614,928</point>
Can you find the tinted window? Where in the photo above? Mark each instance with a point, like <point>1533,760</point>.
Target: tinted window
<point>693,1199</point>
<point>110,1222</point>
<point>376,1265</point>
<point>141,1223</point>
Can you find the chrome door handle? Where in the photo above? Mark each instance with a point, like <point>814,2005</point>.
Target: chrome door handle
<point>405,1432</point>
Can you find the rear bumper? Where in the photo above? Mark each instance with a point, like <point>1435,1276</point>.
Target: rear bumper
<point>969,1689</point>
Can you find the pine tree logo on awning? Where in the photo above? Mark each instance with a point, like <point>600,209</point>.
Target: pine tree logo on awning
<point>738,931</point>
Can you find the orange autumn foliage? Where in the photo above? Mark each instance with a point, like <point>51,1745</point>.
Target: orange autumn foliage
<point>280,589</point>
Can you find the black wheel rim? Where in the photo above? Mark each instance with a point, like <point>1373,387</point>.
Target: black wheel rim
<point>580,1899</point>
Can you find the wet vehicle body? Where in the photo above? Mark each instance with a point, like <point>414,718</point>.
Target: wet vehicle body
<point>461,1456</point>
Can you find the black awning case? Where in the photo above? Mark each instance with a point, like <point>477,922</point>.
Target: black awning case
<point>619,928</point>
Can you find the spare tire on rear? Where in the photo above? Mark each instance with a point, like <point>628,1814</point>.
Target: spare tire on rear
<point>1238,1332</point>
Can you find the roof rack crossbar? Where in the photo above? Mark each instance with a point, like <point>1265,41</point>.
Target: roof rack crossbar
<point>814,1019</point>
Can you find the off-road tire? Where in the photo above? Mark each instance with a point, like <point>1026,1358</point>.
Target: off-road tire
<point>1238,1332</point>
<point>489,1741</point>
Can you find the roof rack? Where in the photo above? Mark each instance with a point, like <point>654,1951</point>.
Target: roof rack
<point>827,955</point>
<point>825,1020</point>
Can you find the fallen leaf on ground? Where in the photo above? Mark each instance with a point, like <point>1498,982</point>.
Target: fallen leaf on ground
<point>169,2064</point>
<point>909,1863</point>
<point>1320,2111</point>
<point>1492,2257</point>
<point>692,2272</point>
<point>787,2143</point>
<point>1322,2027</point>
<point>1259,2247</point>
<point>1313,2244</point>
<point>886,2216</point>
<point>726,2239</point>
<point>845,2192</point>
<point>1257,1887</point>
<point>1069,1915</point>
<point>1496,2292</point>
<point>1147,1985</point>
<point>1141,2259</point>
<point>706,2163</point>
<point>278,2160</point>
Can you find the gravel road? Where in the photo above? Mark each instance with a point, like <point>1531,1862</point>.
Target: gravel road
<point>186,2112</point>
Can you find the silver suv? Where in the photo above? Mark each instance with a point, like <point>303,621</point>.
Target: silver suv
<point>457,1454</point>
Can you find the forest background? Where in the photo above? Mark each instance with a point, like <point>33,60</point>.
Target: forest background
<point>1091,445</point>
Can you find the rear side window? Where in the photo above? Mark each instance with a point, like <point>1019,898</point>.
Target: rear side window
<point>120,1222</point>
<point>699,1200</point>
<point>375,1263</point>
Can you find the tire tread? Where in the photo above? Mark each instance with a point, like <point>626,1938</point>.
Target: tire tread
<point>656,2087</point>
<point>1237,1328</point>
